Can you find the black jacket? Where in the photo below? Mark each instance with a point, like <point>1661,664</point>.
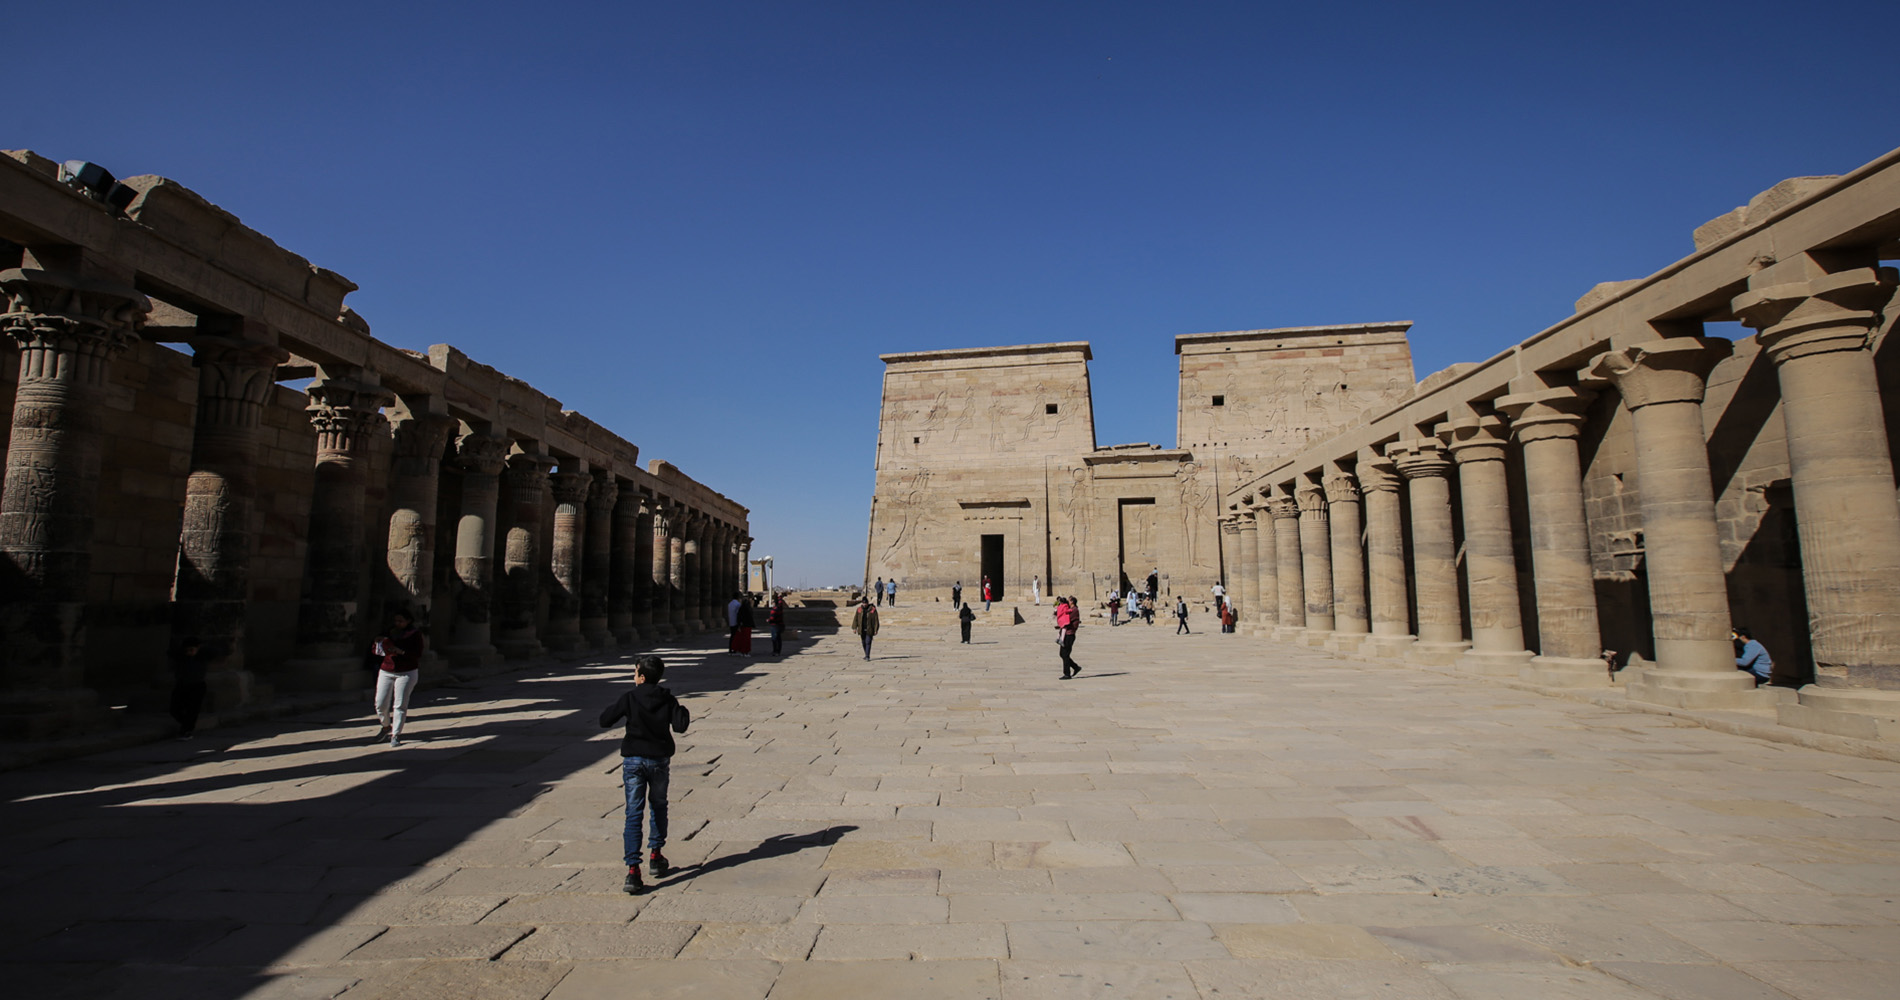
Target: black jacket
<point>649,710</point>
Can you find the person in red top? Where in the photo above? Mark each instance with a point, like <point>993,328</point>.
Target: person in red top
<point>987,596</point>
<point>401,662</point>
<point>1068,617</point>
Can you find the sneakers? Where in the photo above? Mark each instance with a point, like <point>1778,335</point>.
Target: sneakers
<point>382,734</point>
<point>658,866</point>
<point>633,886</point>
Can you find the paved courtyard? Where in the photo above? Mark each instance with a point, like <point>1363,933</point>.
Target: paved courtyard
<point>1200,816</point>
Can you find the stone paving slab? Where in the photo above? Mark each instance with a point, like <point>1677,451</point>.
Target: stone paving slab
<point>1196,817</point>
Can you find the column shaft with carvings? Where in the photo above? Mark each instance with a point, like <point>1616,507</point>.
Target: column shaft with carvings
<point>1316,563</point>
<point>1816,327</point>
<point>1389,602</point>
<point>1478,446</point>
<point>414,480</point>
<point>1288,565</point>
<point>597,561</point>
<point>1344,517</point>
<point>480,459</point>
<point>1434,552</point>
<point>1547,423</point>
<point>1661,383</point>
<point>562,632</point>
<point>68,329</point>
<point>665,568</point>
<point>211,593</point>
<point>1246,576</point>
<point>525,487</point>
<point>1266,580</point>
<point>332,633</point>
<point>626,594</point>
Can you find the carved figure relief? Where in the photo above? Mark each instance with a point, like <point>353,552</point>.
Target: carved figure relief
<point>1194,498</point>
<point>910,508</point>
<point>1076,506</point>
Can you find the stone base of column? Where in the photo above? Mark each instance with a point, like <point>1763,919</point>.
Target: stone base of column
<point>1435,654</point>
<point>39,715</point>
<point>1858,713</point>
<point>627,637</point>
<point>1493,664</point>
<point>642,625</point>
<point>1346,642</point>
<point>229,689</point>
<point>435,669</point>
<point>324,673</point>
<point>479,658</point>
<point>520,647</point>
<point>1565,672</point>
<point>694,626</point>
<point>1314,637</point>
<point>1287,633</point>
<point>596,633</point>
<point>1698,689</point>
<point>1387,647</point>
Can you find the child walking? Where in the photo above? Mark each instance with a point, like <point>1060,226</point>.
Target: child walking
<point>646,758</point>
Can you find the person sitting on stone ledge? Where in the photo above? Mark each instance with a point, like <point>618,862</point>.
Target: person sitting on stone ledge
<point>1751,656</point>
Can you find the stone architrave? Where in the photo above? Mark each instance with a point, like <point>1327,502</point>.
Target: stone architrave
<point>1316,563</point>
<point>1389,602</point>
<point>562,631</point>
<point>480,458</point>
<point>525,483</point>
<point>1266,581</point>
<point>1351,623</point>
<point>68,328</point>
<point>1546,423</point>
<point>1478,446</point>
<point>1291,583</point>
<point>346,413</point>
<point>1434,553</point>
<point>1246,575</point>
<point>1816,327</point>
<point>213,586</point>
<point>1661,383</point>
<point>597,561</point>
<point>415,477</point>
<point>627,615</point>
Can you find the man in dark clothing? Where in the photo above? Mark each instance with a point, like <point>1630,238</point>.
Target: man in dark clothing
<point>1181,612</point>
<point>956,595</point>
<point>1154,585</point>
<point>776,619</point>
<point>188,684</point>
<point>646,758</point>
<point>966,615</point>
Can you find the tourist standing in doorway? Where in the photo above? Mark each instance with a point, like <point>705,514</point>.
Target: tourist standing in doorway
<point>776,619</point>
<point>879,590</point>
<point>864,623</point>
<point>646,760</point>
<point>956,595</point>
<point>400,652</point>
<point>1035,589</point>
<point>1181,612</point>
<point>966,616</point>
<point>189,664</point>
<point>1154,585</point>
<point>988,595</point>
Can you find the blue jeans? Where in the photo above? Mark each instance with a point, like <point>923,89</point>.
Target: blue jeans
<point>646,779</point>
<point>867,645</point>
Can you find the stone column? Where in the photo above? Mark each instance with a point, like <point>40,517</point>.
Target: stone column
<point>1390,604</point>
<point>664,568</point>
<point>526,483</point>
<point>1227,530</point>
<point>1662,383</point>
<point>597,558</point>
<point>642,570</point>
<point>1350,622</point>
<point>677,526</point>
<point>1291,584</point>
<point>1266,580</point>
<point>332,635</point>
<point>415,477</point>
<point>686,569</point>
<point>1434,556</point>
<point>628,617</point>
<point>1816,329</point>
<point>481,458</point>
<point>1316,564</point>
<point>1477,445</point>
<point>562,633</point>
<point>1244,580</point>
<point>1547,423</point>
<point>742,561</point>
<point>68,328</point>
<point>212,591</point>
<point>712,610</point>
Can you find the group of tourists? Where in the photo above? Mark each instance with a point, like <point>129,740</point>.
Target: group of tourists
<point>882,590</point>
<point>988,592</point>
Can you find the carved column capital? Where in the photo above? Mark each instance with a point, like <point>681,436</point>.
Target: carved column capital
<point>1671,370</point>
<point>1283,508</point>
<point>423,435</point>
<point>1312,501</point>
<point>344,411</point>
<point>570,487</point>
<point>1342,488</point>
<point>1831,312</point>
<point>1422,458</point>
<point>480,454</point>
<point>527,472</point>
<point>1376,473</point>
<point>603,494</point>
<point>1546,413</point>
<point>70,311</point>
<point>1474,439</point>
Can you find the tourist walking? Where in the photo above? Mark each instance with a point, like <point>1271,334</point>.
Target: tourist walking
<point>1752,656</point>
<point>1181,612</point>
<point>1035,589</point>
<point>988,596</point>
<point>1067,622</point>
<point>189,663</point>
<point>776,619</point>
<point>864,623</point>
<point>400,662</point>
<point>646,760</point>
<point>879,590</point>
<point>1220,593</point>
<point>1114,608</point>
<point>1148,609</point>
<point>1226,615</point>
<point>742,627</point>
<point>892,590</point>
<point>966,616</point>
<point>732,623</point>
<point>956,595</point>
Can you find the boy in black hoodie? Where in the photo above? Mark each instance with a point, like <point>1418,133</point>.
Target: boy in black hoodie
<point>646,762</point>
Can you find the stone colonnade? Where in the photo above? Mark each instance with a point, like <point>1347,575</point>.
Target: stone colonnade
<point>1606,491</point>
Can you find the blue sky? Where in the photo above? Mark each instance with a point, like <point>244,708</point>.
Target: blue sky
<point>700,223</point>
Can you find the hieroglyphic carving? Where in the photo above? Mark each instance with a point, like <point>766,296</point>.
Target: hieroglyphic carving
<point>910,506</point>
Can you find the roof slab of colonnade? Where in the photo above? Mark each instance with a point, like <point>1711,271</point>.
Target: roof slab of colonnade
<point>209,274</point>
<point>1801,215</point>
